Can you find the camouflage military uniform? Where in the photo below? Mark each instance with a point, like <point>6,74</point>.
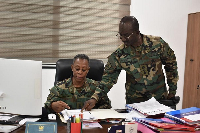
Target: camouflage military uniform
<point>74,96</point>
<point>144,73</point>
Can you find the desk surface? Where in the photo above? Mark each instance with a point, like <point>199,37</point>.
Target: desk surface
<point>63,129</point>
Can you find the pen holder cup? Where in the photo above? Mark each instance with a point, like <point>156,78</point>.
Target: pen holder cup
<point>76,127</point>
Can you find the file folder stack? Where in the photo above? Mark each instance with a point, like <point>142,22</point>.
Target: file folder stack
<point>164,125</point>
<point>188,116</point>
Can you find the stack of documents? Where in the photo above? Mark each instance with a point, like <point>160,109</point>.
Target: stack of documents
<point>163,125</point>
<point>149,107</point>
<point>188,116</point>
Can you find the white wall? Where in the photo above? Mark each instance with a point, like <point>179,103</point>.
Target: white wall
<point>48,78</point>
<point>168,19</point>
<point>165,18</point>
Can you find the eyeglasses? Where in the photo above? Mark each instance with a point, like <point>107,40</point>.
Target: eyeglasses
<point>124,36</point>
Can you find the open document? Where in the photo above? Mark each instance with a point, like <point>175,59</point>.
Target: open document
<point>76,112</point>
<point>106,114</point>
<point>94,114</point>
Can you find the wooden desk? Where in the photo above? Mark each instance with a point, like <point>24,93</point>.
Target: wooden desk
<point>63,129</point>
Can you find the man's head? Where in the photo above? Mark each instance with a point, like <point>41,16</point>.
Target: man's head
<point>80,67</point>
<point>129,31</point>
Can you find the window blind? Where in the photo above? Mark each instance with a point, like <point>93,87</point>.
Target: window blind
<point>49,30</point>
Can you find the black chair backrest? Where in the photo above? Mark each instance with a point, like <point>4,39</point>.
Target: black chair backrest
<point>63,69</point>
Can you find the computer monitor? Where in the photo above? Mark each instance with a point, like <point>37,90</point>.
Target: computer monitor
<point>21,87</point>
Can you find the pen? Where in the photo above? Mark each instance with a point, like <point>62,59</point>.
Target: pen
<point>73,119</point>
<point>62,117</point>
<point>61,114</point>
<point>81,117</point>
<point>85,108</point>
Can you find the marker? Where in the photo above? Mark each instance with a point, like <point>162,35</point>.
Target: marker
<point>81,117</point>
<point>73,119</point>
<point>77,119</point>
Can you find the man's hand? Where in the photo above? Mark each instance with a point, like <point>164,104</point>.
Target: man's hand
<point>88,105</point>
<point>170,96</point>
<point>59,106</point>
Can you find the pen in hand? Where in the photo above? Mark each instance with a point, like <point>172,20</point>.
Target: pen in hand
<point>85,107</point>
<point>89,104</point>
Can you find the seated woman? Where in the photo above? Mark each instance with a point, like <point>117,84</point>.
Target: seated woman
<point>72,93</point>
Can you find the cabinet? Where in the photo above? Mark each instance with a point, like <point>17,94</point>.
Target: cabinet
<point>191,91</point>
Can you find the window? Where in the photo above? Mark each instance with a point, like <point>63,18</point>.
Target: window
<point>48,30</point>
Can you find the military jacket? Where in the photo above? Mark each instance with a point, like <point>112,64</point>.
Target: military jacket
<point>143,66</point>
<point>74,96</point>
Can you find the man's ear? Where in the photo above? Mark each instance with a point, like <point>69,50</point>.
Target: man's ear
<point>72,67</point>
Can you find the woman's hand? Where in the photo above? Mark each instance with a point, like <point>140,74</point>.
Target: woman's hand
<point>88,105</point>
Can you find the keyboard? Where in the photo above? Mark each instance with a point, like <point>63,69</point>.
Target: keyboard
<point>12,121</point>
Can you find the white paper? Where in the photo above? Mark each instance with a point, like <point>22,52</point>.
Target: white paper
<point>133,113</point>
<point>195,117</point>
<point>88,125</point>
<point>6,116</point>
<point>28,120</point>
<point>86,114</point>
<point>8,128</point>
<point>106,113</point>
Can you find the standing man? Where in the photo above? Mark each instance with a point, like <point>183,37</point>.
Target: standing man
<point>142,57</point>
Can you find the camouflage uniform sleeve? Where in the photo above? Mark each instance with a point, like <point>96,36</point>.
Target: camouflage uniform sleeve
<point>104,102</point>
<point>168,59</point>
<point>52,97</point>
<point>111,73</point>
<point>97,94</point>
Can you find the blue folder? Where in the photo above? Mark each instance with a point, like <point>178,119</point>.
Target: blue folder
<point>41,127</point>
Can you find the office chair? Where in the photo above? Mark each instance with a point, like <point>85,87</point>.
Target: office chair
<point>63,69</point>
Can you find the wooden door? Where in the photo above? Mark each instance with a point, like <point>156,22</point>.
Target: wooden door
<point>191,92</point>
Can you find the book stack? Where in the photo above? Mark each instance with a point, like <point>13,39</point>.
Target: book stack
<point>188,116</point>
<point>149,107</point>
<point>164,125</point>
